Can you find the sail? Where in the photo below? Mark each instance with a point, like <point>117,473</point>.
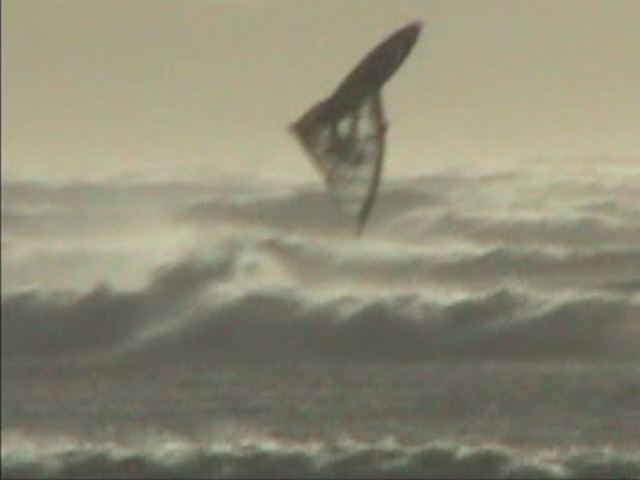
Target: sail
<point>348,152</point>
<point>344,135</point>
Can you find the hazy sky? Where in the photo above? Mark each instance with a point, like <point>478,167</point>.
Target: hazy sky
<point>154,87</point>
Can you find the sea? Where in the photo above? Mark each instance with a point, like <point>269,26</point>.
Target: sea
<point>486,324</point>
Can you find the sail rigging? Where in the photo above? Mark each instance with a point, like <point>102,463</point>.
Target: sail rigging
<point>344,135</point>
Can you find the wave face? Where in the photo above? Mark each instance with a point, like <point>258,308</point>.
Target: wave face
<point>485,325</point>
<point>184,321</point>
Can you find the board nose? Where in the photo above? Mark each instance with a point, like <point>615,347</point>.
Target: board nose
<point>414,28</point>
<point>417,24</point>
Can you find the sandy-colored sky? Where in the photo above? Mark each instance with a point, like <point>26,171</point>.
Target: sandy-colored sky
<point>203,88</point>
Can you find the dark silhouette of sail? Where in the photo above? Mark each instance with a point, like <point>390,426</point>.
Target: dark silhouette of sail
<point>344,135</point>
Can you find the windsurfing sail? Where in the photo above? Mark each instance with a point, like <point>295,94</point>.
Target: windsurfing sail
<point>344,135</point>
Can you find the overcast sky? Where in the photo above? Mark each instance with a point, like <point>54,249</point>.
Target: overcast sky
<point>205,88</point>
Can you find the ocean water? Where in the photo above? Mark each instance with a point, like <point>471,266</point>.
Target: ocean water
<point>486,325</point>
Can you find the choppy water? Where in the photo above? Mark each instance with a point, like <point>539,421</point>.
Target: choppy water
<point>486,325</point>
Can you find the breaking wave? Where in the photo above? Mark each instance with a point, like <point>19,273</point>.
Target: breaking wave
<point>454,266</point>
<point>221,310</point>
<point>274,458</point>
